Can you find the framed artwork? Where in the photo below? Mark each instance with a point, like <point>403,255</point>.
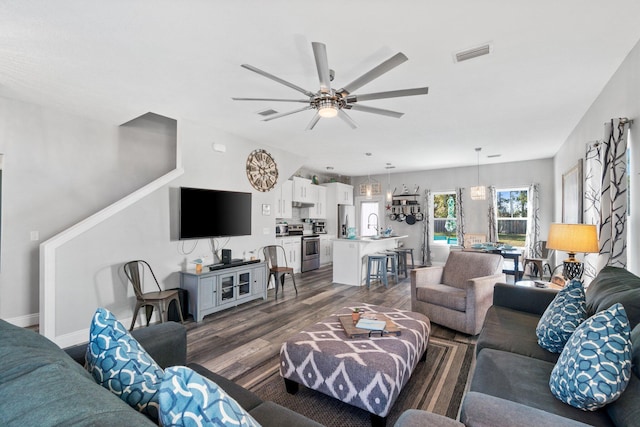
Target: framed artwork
<point>572,195</point>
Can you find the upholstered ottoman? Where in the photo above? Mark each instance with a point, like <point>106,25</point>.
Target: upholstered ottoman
<point>366,372</point>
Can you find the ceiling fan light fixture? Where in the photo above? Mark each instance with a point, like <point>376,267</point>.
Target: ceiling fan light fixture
<point>327,108</point>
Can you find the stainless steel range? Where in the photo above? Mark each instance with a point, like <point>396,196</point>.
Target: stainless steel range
<point>310,252</point>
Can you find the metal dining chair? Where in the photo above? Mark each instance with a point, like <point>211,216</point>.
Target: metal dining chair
<point>278,271</point>
<point>135,272</point>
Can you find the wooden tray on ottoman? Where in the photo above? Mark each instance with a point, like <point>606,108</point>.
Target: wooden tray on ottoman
<point>352,332</point>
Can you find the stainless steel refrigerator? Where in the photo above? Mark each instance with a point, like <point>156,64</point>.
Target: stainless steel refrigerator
<point>346,221</point>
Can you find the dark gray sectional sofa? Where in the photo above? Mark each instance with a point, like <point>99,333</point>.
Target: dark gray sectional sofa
<point>42,385</point>
<point>510,385</point>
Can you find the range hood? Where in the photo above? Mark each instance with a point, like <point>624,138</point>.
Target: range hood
<point>302,204</point>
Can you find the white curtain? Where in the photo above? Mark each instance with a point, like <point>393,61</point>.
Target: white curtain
<point>605,197</point>
<point>460,216</point>
<point>493,215</point>
<point>532,248</point>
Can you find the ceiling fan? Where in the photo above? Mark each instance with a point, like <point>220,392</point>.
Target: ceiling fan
<point>329,102</point>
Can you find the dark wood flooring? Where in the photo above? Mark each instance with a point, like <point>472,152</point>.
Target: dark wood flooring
<point>236,341</point>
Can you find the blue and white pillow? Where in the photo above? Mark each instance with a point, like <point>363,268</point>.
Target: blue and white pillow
<point>121,365</point>
<point>562,317</point>
<point>595,366</point>
<point>188,399</point>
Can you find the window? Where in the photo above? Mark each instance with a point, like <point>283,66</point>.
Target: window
<point>369,218</point>
<point>445,218</point>
<point>512,215</point>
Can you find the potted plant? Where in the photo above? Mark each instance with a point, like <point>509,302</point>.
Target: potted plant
<point>355,314</point>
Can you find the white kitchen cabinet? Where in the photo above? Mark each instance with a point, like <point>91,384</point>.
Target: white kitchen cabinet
<point>319,200</point>
<point>325,250</point>
<point>343,192</point>
<point>337,194</point>
<point>302,190</point>
<point>284,196</point>
<point>292,251</point>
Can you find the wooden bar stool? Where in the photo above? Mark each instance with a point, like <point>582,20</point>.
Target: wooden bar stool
<point>402,259</point>
<point>377,269</point>
<point>392,264</point>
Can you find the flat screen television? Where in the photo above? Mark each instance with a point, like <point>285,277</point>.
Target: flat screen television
<point>214,213</point>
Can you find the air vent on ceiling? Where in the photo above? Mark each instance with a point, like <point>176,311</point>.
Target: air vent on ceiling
<point>474,52</point>
<point>267,112</point>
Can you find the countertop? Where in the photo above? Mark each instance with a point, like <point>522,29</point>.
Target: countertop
<point>367,239</point>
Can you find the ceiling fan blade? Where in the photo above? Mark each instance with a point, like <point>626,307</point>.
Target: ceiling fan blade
<point>278,115</point>
<point>322,64</point>
<point>374,110</point>
<point>388,94</point>
<point>313,122</point>
<point>277,79</point>
<point>306,101</point>
<point>374,73</point>
<point>348,120</point>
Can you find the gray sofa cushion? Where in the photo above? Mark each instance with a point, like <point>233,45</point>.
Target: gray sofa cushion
<point>41,385</point>
<point>444,296</point>
<point>418,418</point>
<point>268,414</point>
<point>626,410</point>
<point>525,380</point>
<point>513,331</point>
<point>613,285</point>
<point>482,410</point>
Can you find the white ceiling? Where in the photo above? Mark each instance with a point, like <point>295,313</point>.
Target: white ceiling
<point>114,60</point>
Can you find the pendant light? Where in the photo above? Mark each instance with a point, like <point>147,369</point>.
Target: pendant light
<point>389,192</point>
<point>479,192</point>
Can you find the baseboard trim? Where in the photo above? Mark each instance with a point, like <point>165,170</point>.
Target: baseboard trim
<point>25,321</point>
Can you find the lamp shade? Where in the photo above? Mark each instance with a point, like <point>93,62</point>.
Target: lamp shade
<point>573,238</point>
<point>478,193</point>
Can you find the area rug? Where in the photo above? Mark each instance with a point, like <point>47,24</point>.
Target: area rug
<point>436,385</point>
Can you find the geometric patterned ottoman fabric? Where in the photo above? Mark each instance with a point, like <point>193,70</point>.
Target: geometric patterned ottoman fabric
<point>368,373</point>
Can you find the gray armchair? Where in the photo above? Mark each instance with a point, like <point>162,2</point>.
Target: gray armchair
<point>458,294</point>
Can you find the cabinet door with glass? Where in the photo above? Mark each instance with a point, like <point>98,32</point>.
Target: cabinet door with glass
<point>227,287</point>
<point>244,284</point>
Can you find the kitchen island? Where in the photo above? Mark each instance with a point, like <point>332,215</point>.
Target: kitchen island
<point>349,257</point>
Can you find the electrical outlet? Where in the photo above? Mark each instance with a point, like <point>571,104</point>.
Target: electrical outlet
<point>35,236</point>
<point>266,230</point>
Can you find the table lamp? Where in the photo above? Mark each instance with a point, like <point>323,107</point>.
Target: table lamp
<point>573,238</point>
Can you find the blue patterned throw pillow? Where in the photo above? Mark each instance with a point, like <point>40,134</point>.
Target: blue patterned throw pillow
<point>121,365</point>
<point>595,366</point>
<point>188,399</point>
<point>562,317</point>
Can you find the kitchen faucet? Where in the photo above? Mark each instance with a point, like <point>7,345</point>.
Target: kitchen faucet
<point>369,224</point>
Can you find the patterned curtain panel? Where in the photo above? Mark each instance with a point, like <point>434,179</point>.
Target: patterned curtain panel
<point>493,215</point>
<point>460,227</point>
<point>426,230</point>
<point>605,198</point>
<point>532,248</point>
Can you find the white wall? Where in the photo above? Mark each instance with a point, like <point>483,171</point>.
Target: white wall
<point>504,175</point>
<point>619,98</point>
<point>89,267</point>
<point>59,169</point>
